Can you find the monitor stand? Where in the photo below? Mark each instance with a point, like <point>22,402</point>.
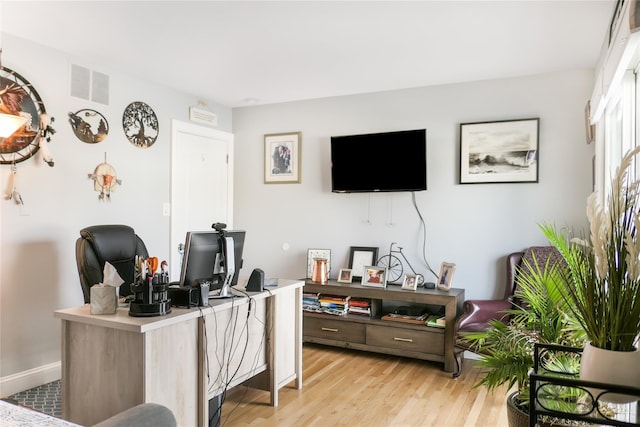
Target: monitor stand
<point>229,268</point>
<point>225,292</point>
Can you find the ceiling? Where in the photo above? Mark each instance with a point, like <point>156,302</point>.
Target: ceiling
<point>240,53</point>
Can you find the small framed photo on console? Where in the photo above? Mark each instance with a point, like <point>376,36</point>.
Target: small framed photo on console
<point>345,275</point>
<point>410,282</point>
<point>374,276</point>
<point>446,275</point>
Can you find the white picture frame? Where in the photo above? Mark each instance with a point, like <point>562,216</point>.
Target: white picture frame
<point>410,282</point>
<point>282,158</point>
<point>374,276</point>
<point>345,275</point>
<point>446,275</point>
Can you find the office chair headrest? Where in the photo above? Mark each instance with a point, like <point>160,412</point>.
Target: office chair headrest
<point>111,243</point>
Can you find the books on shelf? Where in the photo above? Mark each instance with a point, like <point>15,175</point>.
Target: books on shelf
<point>360,306</point>
<point>436,321</point>
<point>335,305</point>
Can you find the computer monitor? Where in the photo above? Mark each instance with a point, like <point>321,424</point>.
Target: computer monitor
<point>204,258</point>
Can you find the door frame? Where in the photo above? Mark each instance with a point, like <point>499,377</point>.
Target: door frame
<point>179,128</point>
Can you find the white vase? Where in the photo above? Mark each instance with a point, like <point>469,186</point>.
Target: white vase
<point>611,367</point>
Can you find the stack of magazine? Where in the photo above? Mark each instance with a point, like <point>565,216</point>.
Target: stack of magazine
<point>310,302</point>
<point>361,306</point>
<point>325,304</point>
<point>334,304</point>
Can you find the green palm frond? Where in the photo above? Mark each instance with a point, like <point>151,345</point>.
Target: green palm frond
<point>506,349</point>
<point>602,279</point>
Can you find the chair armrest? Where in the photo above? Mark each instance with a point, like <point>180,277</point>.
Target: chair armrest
<point>476,314</point>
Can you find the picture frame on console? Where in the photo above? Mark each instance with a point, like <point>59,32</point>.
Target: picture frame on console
<point>374,276</point>
<point>359,257</point>
<point>503,151</point>
<point>345,275</point>
<point>410,282</point>
<point>446,275</point>
<point>282,159</point>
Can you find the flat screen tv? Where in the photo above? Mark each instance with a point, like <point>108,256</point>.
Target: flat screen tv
<point>389,161</point>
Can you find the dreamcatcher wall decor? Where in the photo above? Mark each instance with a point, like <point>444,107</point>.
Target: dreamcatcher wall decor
<point>140,124</point>
<point>18,97</point>
<point>105,180</point>
<point>89,126</point>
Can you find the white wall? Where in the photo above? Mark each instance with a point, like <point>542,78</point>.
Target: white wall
<point>474,226</point>
<point>471,225</point>
<point>38,271</point>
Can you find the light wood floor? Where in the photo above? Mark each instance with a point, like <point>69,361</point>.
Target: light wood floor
<point>344,387</point>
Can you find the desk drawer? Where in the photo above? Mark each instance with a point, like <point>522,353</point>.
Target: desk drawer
<point>406,339</point>
<point>334,329</point>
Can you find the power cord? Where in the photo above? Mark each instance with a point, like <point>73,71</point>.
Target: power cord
<point>424,234</point>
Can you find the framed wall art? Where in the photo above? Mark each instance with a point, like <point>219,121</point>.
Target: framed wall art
<point>374,276</point>
<point>359,257</point>
<point>499,152</point>
<point>282,159</point>
<point>446,275</point>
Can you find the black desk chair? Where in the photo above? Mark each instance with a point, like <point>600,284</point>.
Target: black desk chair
<point>116,244</point>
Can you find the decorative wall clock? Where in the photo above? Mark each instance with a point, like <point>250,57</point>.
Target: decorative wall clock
<point>20,98</point>
<point>140,124</point>
<point>89,126</point>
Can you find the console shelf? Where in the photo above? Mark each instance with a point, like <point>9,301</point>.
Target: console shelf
<point>384,336</point>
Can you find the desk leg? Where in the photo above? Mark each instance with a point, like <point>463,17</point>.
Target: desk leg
<point>298,338</point>
<point>271,350</point>
<point>65,397</point>
<point>203,396</point>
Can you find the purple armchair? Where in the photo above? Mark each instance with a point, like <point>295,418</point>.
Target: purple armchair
<point>476,314</point>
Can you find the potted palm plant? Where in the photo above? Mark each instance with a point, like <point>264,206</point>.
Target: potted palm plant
<point>601,284</point>
<point>506,349</point>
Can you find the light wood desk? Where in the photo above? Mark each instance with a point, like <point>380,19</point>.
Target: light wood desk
<point>113,362</point>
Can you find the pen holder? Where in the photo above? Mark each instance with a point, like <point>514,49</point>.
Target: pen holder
<point>151,298</point>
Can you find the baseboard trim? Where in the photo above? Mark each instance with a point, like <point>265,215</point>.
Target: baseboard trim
<point>25,380</point>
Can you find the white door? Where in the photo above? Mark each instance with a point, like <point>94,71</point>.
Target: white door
<point>201,183</point>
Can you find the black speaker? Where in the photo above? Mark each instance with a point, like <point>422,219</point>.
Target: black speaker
<point>256,281</point>
<point>184,297</point>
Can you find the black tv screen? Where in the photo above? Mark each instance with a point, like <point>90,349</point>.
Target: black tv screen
<point>389,161</point>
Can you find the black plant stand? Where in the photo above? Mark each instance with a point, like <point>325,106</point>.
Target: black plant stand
<point>590,410</point>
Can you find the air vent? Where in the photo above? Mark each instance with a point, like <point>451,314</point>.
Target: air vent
<point>89,85</point>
